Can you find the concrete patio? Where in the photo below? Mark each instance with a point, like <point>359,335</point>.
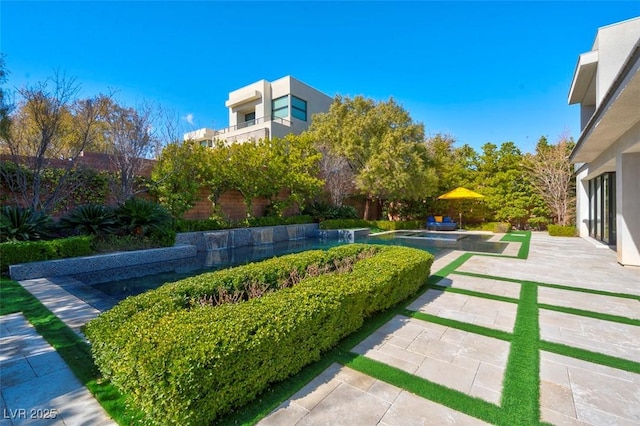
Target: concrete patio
<point>572,391</point>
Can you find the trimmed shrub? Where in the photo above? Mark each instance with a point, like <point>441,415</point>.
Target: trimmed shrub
<point>197,225</point>
<point>497,227</point>
<point>345,224</point>
<point>188,364</point>
<point>393,225</point>
<point>562,231</point>
<point>14,252</point>
<point>387,225</point>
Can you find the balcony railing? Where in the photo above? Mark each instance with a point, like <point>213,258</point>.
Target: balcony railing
<point>253,122</point>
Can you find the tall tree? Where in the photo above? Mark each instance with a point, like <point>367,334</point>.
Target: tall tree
<point>504,182</point>
<point>5,103</point>
<point>552,177</point>
<point>131,139</point>
<point>178,175</point>
<point>337,175</point>
<point>50,123</point>
<point>383,146</point>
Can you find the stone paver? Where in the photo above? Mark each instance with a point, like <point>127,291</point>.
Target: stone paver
<point>610,338</point>
<point>342,396</point>
<point>590,302</point>
<point>37,385</point>
<point>482,285</point>
<point>71,310</point>
<point>464,361</point>
<point>470,309</point>
<point>579,392</point>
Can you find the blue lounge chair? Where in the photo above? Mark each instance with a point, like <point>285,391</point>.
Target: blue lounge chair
<point>445,225</point>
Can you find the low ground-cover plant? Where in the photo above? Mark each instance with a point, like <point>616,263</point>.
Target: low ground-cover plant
<point>91,219</point>
<point>15,252</point>
<point>562,231</point>
<point>184,363</point>
<point>20,224</point>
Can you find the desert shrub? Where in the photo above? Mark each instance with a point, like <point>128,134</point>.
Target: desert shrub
<point>186,364</point>
<point>562,231</point>
<point>14,252</point>
<point>91,219</point>
<point>20,224</point>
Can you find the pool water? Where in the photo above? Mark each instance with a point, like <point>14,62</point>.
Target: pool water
<point>434,243</point>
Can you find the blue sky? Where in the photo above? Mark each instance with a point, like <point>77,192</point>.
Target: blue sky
<point>479,71</point>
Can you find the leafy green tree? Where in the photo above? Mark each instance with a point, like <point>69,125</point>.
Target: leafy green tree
<point>178,175</point>
<point>218,176</point>
<point>248,166</point>
<point>505,183</point>
<point>383,146</point>
<point>302,161</point>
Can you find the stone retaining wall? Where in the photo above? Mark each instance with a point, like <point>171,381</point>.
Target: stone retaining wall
<point>240,237</point>
<point>102,262</point>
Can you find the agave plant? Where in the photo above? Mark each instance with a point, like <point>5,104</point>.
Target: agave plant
<point>20,224</point>
<point>142,217</point>
<point>91,219</point>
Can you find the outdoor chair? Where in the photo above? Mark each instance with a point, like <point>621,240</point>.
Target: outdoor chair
<point>445,225</point>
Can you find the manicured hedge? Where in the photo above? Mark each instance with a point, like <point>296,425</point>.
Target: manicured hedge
<point>392,225</point>
<point>15,252</point>
<point>197,225</point>
<point>380,224</point>
<point>497,227</point>
<point>188,364</point>
<point>562,231</point>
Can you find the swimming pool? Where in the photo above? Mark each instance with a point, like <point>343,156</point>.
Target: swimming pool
<point>435,243</point>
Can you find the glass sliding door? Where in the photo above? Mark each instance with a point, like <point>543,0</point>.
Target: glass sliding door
<point>602,208</point>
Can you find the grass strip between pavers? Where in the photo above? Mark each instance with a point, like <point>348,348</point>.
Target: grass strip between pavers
<point>459,325</point>
<point>521,385</point>
<point>474,293</point>
<point>591,291</point>
<point>589,356</point>
<point>75,352</point>
<point>557,286</point>
<point>523,237</point>
<point>435,392</point>
<point>591,314</point>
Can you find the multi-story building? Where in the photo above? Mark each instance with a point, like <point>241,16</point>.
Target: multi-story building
<point>266,109</point>
<point>606,84</point>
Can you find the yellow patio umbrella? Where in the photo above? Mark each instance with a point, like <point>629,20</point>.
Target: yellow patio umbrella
<point>460,193</point>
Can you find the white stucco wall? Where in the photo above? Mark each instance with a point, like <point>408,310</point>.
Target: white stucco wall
<point>628,209</point>
<point>614,43</point>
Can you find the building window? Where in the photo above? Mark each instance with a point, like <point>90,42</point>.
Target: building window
<point>602,208</point>
<point>280,107</point>
<point>299,108</point>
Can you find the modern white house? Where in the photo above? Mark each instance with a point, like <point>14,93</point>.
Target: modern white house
<point>606,84</point>
<point>266,109</point>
